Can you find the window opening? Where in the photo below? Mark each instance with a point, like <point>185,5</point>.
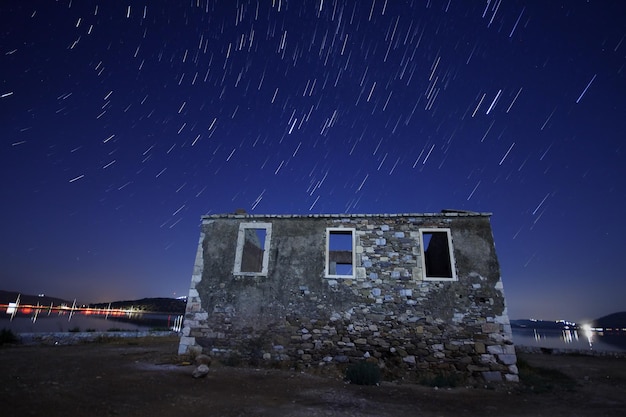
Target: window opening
<point>340,253</point>
<point>437,254</point>
<point>252,248</point>
<point>252,256</point>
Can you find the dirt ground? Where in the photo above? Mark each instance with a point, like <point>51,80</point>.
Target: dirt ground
<point>145,377</point>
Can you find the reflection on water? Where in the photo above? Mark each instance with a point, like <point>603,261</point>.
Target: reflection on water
<point>567,336</point>
<point>587,331</point>
<point>583,339</point>
<point>26,318</point>
<point>43,322</point>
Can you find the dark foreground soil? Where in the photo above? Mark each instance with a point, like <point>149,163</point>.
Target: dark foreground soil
<point>145,377</point>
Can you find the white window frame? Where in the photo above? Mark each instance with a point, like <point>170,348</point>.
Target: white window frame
<point>344,230</point>
<point>448,233</point>
<point>241,238</point>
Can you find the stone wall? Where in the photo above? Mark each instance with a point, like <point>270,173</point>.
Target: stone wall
<point>414,329</point>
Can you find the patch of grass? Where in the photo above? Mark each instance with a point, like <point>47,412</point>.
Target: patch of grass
<point>7,336</point>
<point>363,373</point>
<point>541,380</point>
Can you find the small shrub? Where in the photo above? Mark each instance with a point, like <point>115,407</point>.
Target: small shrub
<point>7,336</point>
<point>363,373</point>
<point>90,330</point>
<point>233,360</point>
<point>74,329</point>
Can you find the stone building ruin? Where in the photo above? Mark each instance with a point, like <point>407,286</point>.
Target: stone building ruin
<point>418,294</point>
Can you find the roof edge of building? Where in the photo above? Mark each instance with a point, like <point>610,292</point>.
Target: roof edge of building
<point>443,213</point>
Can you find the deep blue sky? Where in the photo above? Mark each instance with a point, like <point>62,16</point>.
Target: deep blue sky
<point>121,123</point>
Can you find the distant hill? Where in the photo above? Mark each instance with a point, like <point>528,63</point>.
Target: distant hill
<point>161,305</point>
<point>612,321</point>
<point>7,297</point>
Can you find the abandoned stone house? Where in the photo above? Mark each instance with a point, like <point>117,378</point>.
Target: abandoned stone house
<point>418,294</point>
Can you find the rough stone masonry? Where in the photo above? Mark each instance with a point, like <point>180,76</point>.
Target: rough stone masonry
<point>420,295</point>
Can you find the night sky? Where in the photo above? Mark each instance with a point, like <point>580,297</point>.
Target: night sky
<point>122,123</point>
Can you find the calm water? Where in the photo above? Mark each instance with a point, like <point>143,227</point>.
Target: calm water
<point>570,339</point>
<point>78,322</point>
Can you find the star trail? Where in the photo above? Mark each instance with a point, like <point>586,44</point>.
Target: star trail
<point>121,123</point>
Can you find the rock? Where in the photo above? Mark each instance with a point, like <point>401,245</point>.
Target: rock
<point>508,359</point>
<point>341,358</point>
<point>511,378</point>
<point>203,360</point>
<point>495,349</point>
<point>201,371</point>
<point>492,376</point>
